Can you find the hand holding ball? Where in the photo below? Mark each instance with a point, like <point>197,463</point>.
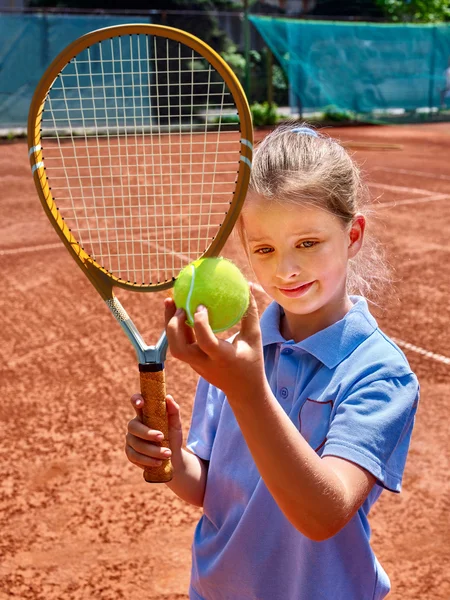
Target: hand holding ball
<point>217,284</point>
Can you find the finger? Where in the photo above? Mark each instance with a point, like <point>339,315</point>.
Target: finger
<point>176,334</point>
<point>147,448</point>
<point>188,331</point>
<point>170,311</point>
<point>206,339</point>
<point>137,402</point>
<point>250,327</point>
<point>181,342</point>
<point>139,430</point>
<point>142,460</point>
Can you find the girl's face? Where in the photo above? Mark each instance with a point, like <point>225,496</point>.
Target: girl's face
<point>299,255</point>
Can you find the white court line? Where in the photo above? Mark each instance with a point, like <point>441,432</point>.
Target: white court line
<point>431,247</point>
<point>426,353</point>
<point>30,249</point>
<point>409,172</point>
<point>257,287</point>
<point>422,351</point>
<point>436,198</point>
<point>59,245</point>
<point>399,188</point>
<point>167,251</point>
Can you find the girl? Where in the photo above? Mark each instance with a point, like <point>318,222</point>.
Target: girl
<point>302,419</point>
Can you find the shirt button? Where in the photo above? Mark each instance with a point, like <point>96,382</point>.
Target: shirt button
<point>284,392</point>
<point>287,351</point>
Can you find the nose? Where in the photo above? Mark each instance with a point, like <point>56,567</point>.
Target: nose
<point>287,268</point>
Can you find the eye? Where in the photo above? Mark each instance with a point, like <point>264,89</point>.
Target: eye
<point>263,250</point>
<point>307,244</point>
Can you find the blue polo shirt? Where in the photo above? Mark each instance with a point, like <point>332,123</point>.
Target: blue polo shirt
<point>351,393</point>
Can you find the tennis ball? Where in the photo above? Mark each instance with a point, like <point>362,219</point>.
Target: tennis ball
<point>217,284</point>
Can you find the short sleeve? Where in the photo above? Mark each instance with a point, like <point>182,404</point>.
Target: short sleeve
<point>205,419</point>
<point>372,427</point>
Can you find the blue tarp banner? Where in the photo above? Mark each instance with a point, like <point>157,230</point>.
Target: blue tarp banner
<point>366,68</point>
<point>28,44</point>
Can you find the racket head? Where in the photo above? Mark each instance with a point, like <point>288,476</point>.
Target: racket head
<point>125,124</point>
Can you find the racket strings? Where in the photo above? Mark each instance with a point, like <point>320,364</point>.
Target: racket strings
<point>142,139</point>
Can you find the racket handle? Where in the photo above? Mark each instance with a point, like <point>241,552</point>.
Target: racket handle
<point>154,415</point>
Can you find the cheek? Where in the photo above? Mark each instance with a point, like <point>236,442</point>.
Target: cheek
<point>336,267</point>
<point>261,269</point>
<point>332,263</point>
<point>257,268</point>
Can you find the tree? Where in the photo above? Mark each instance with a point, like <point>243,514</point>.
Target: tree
<point>198,18</point>
<point>360,9</point>
<point>416,11</point>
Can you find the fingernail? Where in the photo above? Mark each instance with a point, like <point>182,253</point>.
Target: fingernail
<point>200,308</point>
<point>167,452</point>
<point>139,402</point>
<point>159,436</point>
<point>179,312</point>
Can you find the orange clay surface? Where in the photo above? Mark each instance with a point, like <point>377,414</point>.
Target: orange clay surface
<point>77,521</point>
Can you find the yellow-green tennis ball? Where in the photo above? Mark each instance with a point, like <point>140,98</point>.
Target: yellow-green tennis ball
<point>217,284</point>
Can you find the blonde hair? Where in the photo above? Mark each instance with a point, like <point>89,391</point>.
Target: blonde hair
<point>314,169</point>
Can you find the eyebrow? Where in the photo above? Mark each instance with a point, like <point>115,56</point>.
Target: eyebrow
<point>300,235</point>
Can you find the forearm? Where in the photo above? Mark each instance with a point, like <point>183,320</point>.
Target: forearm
<point>309,492</point>
<point>189,479</point>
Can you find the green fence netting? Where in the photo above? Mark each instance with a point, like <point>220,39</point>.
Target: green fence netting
<point>378,72</point>
<point>28,44</point>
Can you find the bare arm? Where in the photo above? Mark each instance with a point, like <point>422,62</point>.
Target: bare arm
<point>189,479</point>
<point>318,496</point>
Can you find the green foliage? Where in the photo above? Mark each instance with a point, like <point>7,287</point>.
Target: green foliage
<point>235,60</point>
<point>206,5</point>
<point>264,114</point>
<point>205,26</point>
<point>338,115</point>
<point>227,119</point>
<point>259,78</point>
<point>258,74</point>
<point>279,80</point>
<point>416,11</point>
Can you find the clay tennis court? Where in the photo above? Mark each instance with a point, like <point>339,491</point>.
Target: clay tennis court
<point>77,521</point>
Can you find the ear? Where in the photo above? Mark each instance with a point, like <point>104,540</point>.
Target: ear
<point>356,235</point>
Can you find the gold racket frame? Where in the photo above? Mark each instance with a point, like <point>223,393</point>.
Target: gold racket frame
<point>151,358</point>
<point>102,280</point>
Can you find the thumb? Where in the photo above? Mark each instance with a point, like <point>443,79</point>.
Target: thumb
<point>175,428</point>
<point>173,412</point>
<point>250,329</point>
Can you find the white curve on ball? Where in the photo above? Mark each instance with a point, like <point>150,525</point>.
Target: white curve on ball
<point>189,296</point>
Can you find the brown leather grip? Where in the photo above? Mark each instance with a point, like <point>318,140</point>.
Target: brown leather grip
<point>154,415</point>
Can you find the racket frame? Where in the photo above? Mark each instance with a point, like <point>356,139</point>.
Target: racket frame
<point>151,357</point>
<point>100,278</point>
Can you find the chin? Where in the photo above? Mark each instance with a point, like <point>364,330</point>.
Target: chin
<point>299,307</point>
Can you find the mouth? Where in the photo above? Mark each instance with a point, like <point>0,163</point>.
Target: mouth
<point>296,292</point>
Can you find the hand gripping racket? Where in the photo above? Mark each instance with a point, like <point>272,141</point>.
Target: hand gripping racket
<point>140,145</point>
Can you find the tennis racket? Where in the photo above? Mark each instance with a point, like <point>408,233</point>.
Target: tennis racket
<point>140,145</point>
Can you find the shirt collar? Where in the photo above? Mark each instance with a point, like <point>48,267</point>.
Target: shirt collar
<point>330,345</point>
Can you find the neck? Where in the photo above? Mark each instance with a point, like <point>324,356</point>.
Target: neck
<point>299,327</point>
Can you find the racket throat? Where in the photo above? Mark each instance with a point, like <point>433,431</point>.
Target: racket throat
<point>145,354</point>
